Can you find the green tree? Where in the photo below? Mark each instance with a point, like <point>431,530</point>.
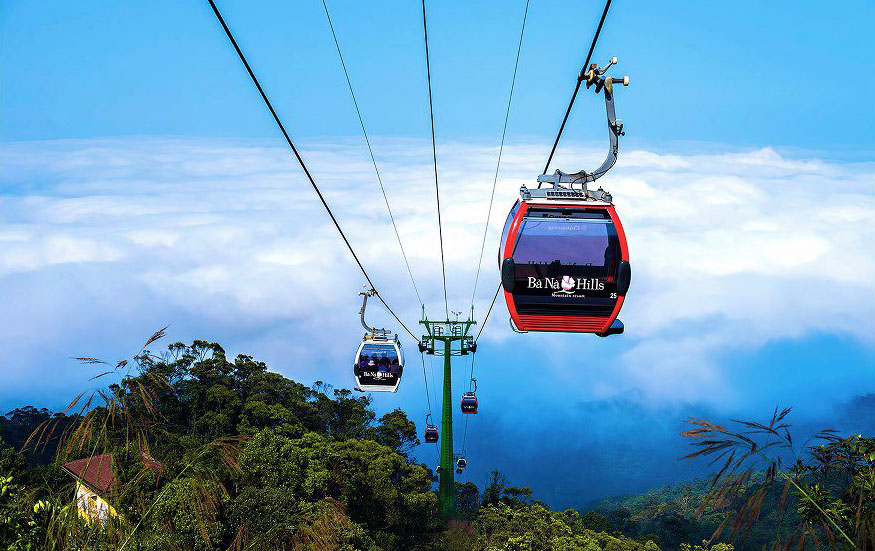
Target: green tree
<point>498,491</point>
<point>396,431</point>
<point>379,489</point>
<point>467,500</point>
<point>536,528</point>
<point>186,516</point>
<point>595,521</point>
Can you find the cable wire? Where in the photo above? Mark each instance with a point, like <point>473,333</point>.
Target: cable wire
<point>301,161</point>
<point>437,454</point>
<point>370,150</point>
<point>559,135</point>
<point>434,384</point>
<point>427,392</point>
<point>577,86</point>
<point>465,433</point>
<point>500,151</point>
<point>489,211</point>
<point>437,192</point>
<point>473,358</point>
<point>482,325</point>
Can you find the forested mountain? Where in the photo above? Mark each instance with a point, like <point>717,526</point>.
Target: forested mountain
<point>210,452</point>
<point>768,492</point>
<point>670,516</point>
<point>205,452</point>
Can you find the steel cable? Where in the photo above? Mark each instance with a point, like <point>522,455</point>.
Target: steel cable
<point>370,150</point>
<point>577,86</point>
<point>425,377</point>
<point>483,325</point>
<point>500,151</point>
<point>301,162</point>
<point>489,211</point>
<point>465,432</point>
<point>437,192</point>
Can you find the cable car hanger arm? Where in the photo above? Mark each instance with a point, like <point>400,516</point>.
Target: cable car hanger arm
<point>373,331</point>
<point>605,85</point>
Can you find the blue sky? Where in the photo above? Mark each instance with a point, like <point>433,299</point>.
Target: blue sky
<point>142,183</point>
<point>784,73</point>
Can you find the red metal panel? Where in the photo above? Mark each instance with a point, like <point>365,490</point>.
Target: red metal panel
<point>571,324</point>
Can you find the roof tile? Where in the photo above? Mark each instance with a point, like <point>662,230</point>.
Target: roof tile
<point>95,471</point>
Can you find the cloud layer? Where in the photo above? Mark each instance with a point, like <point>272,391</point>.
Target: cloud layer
<point>226,240</point>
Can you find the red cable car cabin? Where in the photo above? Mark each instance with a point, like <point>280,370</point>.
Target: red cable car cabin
<point>469,403</point>
<point>431,434</point>
<point>564,263</point>
<point>564,260</point>
<point>431,431</point>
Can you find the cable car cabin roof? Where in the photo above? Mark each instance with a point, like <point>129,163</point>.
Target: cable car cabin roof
<point>550,195</point>
<point>379,364</point>
<point>565,201</point>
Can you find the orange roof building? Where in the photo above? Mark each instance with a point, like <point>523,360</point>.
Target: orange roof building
<point>95,478</point>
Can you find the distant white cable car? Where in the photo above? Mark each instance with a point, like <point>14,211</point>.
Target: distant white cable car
<point>379,360</point>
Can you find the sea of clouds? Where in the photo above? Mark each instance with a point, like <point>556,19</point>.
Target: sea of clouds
<point>226,238</point>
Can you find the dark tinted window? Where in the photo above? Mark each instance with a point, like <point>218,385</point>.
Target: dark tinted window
<point>378,357</point>
<point>570,241</point>
<point>378,365</point>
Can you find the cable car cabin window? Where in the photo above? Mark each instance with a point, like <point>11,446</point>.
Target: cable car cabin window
<point>566,264</point>
<point>378,365</point>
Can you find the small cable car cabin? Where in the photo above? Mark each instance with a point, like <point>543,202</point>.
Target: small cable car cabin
<point>469,403</point>
<point>379,364</point>
<point>564,260</point>
<point>431,431</point>
<point>469,400</point>
<point>431,434</point>
<point>379,360</point>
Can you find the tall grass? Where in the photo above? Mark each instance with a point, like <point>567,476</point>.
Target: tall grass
<point>755,457</point>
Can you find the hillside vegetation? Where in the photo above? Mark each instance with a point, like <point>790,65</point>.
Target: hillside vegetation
<point>216,453</point>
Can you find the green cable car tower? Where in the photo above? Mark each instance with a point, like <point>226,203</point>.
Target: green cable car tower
<point>447,332</point>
